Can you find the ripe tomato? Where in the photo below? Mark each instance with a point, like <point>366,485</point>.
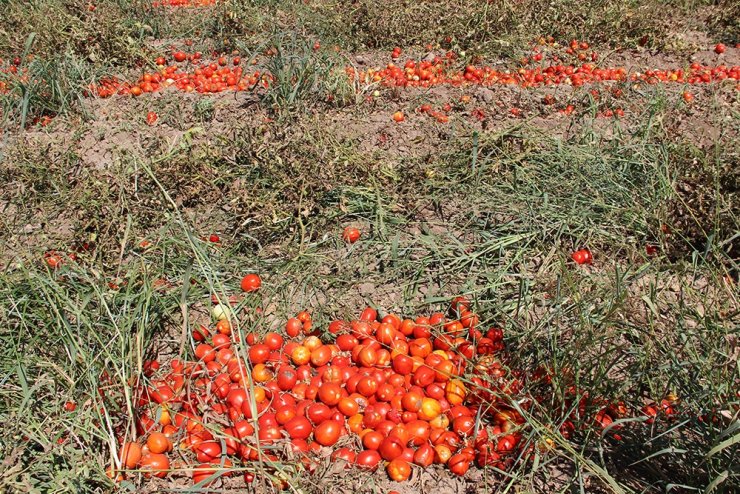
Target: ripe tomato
<point>351,235</point>
<point>293,327</point>
<point>298,427</point>
<point>582,256</point>
<point>330,393</point>
<point>398,117</point>
<point>345,454</point>
<point>203,472</point>
<point>328,432</point>
<point>399,470</point>
<point>155,464</point>
<point>372,440</point>
<point>419,431</point>
<point>286,379</point>
<point>151,118</point>
<point>719,48</point>
<point>251,283</point>
<point>369,314</point>
<point>368,459</point>
<point>424,455</point>
<point>158,443</point>
<point>430,409</point>
<point>391,448</point>
<point>130,455</point>
<point>259,354</point>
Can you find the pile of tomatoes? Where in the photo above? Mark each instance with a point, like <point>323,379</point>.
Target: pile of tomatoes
<point>373,392</point>
<point>547,65</point>
<point>384,392</point>
<point>439,71</point>
<point>215,77</point>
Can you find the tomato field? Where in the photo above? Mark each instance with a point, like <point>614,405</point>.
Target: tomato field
<point>370,247</point>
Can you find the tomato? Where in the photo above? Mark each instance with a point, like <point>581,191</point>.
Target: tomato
<point>179,56</point>
<point>205,352</point>
<point>424,376</point>
<point>251,283</point>
<point>293,327</point>
<point>321,356</point>
<point>330,393</point>
<point>419,431</point>
<point>399,470</point>
<point>344,454</point>
<point>424,455</point>
<point>367,460</point>
<point>351,235</point>
<point>328,432</point>
<point>398,117</point>
<point>158,443</point>
<point>258,354</point>
<point>286,379</point>
<point>391,448</point>
<point>582,256</point>
<point>70,406</point>
<point>442,453</point>
<point>202,472</point>
<point>130,454</point>
<point>367,386</point>
<point>372,440</point>
<point>155,464</point>
<point>463,426</point>
<point>430,409</point>
<point>151,118</point>
<point>261,373</point>
<point>412,401</point>
<point>369,314</point>
<point>318,413</point>
<point>298,427</point>
<point>348,406</point>
<point>274,341</point>
<point>455,392</point>
<point>301,355</point>
<point>719,48</point>
<point>367,357</point>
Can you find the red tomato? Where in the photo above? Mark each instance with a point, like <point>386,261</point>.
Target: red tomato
<point>368,460</point>
<point>251,283</point>
<point>424,455</point>
<point>299,427</point>
<point>582,256</point>
<point>155,464</point>
<point>328,432</point>
<point>130,455</point>
<point>258,354</point>
<point>391,448</point>
<point>351,235</point>
<point>293,327</point>
<point>372,440</point>
<point>345,454</point>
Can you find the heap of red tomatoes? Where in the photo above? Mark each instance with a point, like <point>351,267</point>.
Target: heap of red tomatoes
<point>439,71</point>
<point>195,76</point>
<point>375,392</point>
<point>395,385</point>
